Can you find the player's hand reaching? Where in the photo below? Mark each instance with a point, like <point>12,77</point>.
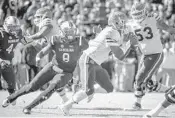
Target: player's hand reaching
<point>4,64</point>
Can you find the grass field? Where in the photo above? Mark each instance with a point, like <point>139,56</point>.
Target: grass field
<point>113,105</point>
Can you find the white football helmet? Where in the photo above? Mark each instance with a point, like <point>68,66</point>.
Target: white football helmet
<point>12,25</point>
<point>42,14</point>
<point>138,12</point>
<point>68,29</point>
<point>117,19</point>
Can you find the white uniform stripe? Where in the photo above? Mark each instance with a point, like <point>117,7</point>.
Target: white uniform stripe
<point>84,70</point>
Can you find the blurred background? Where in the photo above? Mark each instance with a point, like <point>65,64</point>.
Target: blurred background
<point>89,13</point>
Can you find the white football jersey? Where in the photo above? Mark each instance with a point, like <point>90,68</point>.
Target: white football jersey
<point>99,48</point>
<point>148,34</point>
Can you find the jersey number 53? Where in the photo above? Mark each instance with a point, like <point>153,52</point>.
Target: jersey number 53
<point>147,30</point>
<point>66,57</point>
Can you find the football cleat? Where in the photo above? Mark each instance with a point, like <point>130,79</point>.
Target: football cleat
<point>89,99</point>
<point>137,106</point>
<point>5,103</point>
<point>26,111</point>
<point>14,103</point>
<point>146,116</point>
<point>65,109</point>
<point>138,12</point>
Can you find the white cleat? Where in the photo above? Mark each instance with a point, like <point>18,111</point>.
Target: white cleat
<point>14,103</point>
<point>26,111</point>
<point>147,116</point>
<point>65,110</point>
<point>5,103</point>
<point>64,100</point>
<point>89,99</point>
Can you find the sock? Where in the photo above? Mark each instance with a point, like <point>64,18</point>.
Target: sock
<point>62,94</point>
<point>138,100</point>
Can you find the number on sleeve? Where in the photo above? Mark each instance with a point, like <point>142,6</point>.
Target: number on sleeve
<point>10,49</point>
<point>66,57</point>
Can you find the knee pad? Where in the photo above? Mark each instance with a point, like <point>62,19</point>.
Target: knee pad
<point>170,95</point>
<point>90,92</point>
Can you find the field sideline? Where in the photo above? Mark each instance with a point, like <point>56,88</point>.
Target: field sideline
<point>113,105</point>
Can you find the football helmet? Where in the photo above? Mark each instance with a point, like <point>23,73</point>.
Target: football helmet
<point>11,25</point>
<point>42,14</point>
<point>68,29</point>
<point>117,19</point>
<point>138,12</point>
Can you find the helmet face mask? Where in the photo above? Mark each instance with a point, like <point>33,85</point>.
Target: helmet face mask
<point>41,14</point>
<point>12,25</point>
<point>68,29</point>
<point>117,20</point>
<point>138,12</point>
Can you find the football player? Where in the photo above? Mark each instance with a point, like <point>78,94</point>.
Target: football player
<point>168,101</point>
<point>47,28</point>
<point>110,38</point>
<point>10,44</point>
<point>55,84</point>
<point>67,51</point>
<point>146,26</point>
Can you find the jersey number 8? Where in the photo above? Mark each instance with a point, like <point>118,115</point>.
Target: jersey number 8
<point>66,57</point>
<point>149,34</point>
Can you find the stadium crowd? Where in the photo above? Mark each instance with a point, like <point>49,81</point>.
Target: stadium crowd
<point>95,12</point>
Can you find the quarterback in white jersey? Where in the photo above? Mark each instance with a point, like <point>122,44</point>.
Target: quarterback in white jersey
<point>109,39</point>
<point>147,29</point>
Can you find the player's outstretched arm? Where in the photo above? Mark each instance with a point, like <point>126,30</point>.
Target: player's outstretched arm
<point>163,26</point>
<point>45,30</point>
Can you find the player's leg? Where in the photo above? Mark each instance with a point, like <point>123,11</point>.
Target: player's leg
<point>86,69</point>
<point>58,82</point>
<point>168,100</point>
<point>9,77</point>
<point>103,79</point>
<point>149,64</point>
<point>45,75</point>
